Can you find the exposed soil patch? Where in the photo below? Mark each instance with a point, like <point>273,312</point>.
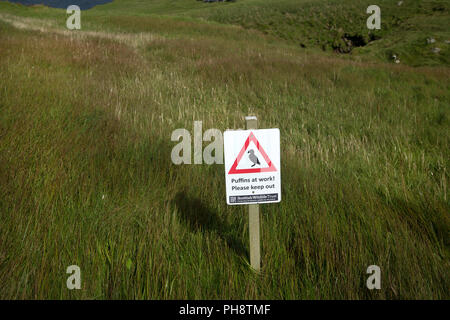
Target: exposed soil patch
<point>347,42</point>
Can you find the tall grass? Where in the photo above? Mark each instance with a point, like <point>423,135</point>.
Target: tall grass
<point>86,176</point>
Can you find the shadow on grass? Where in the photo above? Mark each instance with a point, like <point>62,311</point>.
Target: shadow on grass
<point>199,218</point>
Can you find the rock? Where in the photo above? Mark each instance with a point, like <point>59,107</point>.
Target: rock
<point>395,58</point>
<point>431,40</point>
<point>436,50</point>
<point>399,3</point>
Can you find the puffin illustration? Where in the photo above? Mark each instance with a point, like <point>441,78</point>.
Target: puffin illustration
<point>253,158</point>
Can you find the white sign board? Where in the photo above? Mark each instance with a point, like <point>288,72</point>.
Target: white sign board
<point>252,166</point>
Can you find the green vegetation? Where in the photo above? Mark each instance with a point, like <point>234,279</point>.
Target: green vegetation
<point>330,25</point>
<point>86,177</point>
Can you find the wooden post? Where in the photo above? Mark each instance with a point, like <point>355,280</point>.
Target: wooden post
<point>253,216</point>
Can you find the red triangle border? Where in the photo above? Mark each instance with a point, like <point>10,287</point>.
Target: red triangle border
<point>270,168</point>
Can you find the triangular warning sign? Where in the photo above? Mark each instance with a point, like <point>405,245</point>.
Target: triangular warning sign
<point>234,169</point>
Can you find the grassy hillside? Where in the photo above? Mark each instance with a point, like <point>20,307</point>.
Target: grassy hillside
<point>330,25</point>
<point>340,26</point>
<point>86,177</point>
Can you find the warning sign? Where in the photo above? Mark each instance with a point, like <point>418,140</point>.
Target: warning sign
<point>252,166</point>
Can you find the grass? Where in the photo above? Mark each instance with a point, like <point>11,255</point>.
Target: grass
<point>86,176</point>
